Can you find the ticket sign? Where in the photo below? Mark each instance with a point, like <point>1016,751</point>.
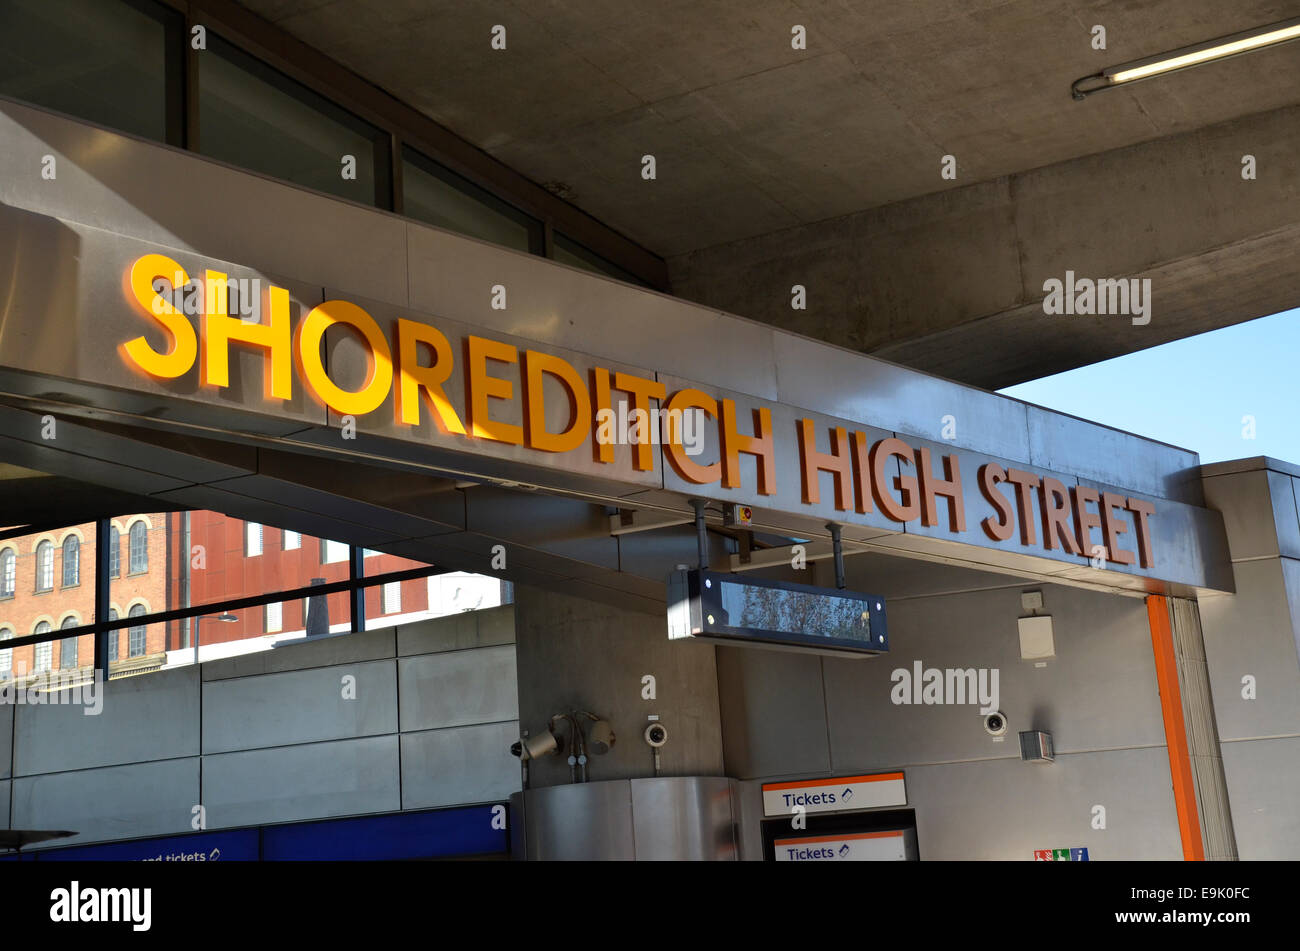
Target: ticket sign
<point>834,795</point>
<point>850,847</point>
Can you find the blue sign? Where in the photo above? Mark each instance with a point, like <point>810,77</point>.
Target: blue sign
<point>236,845</point>
<point>473,830</point>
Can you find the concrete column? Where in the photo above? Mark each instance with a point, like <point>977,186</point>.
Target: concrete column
<point>575,654</point>
<point>1251,652</point>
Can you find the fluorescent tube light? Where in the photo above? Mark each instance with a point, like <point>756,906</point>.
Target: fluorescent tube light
<point>1222,48</point>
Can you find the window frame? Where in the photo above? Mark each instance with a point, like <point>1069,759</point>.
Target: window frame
<point>44,570</point>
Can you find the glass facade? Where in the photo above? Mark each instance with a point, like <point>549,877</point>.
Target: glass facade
<point>256,118</point>
<point>122,64</point>
<point>106,63</point>
<point>440,197</point>
<point>575,255</point>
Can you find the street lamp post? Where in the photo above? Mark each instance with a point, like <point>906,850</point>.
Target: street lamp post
<point>227,618</point>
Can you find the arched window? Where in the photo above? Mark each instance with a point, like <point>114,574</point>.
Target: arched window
<point>45,566</point>
<point>6,656</point>
<point>68,646</point>
<point>135,635</point>
<point>114,635</point>
<point>114,552</point>
<point>8,569</point>
<point>71,561</point>
<point>139,549</point>
<point>44,650</point>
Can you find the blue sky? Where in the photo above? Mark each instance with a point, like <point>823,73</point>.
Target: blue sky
<point>1194,392</point>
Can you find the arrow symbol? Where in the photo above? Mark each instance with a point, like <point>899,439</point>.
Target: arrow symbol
<point>844,849</point>
<point>848,793</point>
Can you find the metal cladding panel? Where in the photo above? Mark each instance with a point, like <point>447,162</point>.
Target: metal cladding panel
<point>114,802</point>
<point>309,706</point>
<point>173,198</point>
<point>843,383</point>
<point>961,808</point>
<point>128,728</point>
<point>6,741</point>
<point>683,818</point>
<point>580,822</point>
<point>67,313</point>
<point>564,308</point>
<point>1101,454</point>
<point>788,492</point>
<point>455,688</point>
<point>461,764</point>
<point>1263,775</point>
<point>349,363</point>
<point>310,781</point>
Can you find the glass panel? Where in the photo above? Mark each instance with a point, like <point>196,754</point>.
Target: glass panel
<point>68,651</point>
<point>252,539</point>
<point>418,599</point>
<point>256,118</point>
<point>100,61</point>
<point>575,255</point>
<point>44,651</point>
<point>71,561</point>
<point>114,552</point>
<point>440,197</point>
<point>8,572</point>
<point>45,566</point>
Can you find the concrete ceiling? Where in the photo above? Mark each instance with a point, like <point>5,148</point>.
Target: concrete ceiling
<point>752,136</point>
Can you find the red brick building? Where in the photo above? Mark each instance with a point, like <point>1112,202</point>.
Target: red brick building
<point>47,583</point>
<point>231,558</point>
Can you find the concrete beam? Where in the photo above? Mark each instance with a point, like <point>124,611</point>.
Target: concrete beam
<point>953,282</point>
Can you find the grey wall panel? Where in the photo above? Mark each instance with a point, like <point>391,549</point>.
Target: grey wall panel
<point>1100,454</point>
<point>467,629</point>
<point>1006,809</point>
<point>1251,634</point>
<point>459,765</point>
<point>6,738</point>
<point>458,687</point>
<point>1245,501</point>
<point>1281,495</point>
<point>144,718</point>
<point>4,804</point>
<point>302,706</point>
<point>874,393</point>
<point>1099,691</point>
<point>313,781</point>
<point>1263,776</point>
<point>119,802</point>
<point>575,654</point>
<point>773,712</point>
<point>446,280</point>
<point>350,648</point>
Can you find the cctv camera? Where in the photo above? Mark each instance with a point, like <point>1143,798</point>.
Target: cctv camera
<point>656,734</point>
<point>995,724</point>
<point>600,737</point>
<point>532,747</point>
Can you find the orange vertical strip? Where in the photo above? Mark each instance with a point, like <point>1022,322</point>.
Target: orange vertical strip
<point>1171,706</point>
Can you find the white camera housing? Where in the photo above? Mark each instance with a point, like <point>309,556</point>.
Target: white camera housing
<point>995,724</point>
<point>656,734</point>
